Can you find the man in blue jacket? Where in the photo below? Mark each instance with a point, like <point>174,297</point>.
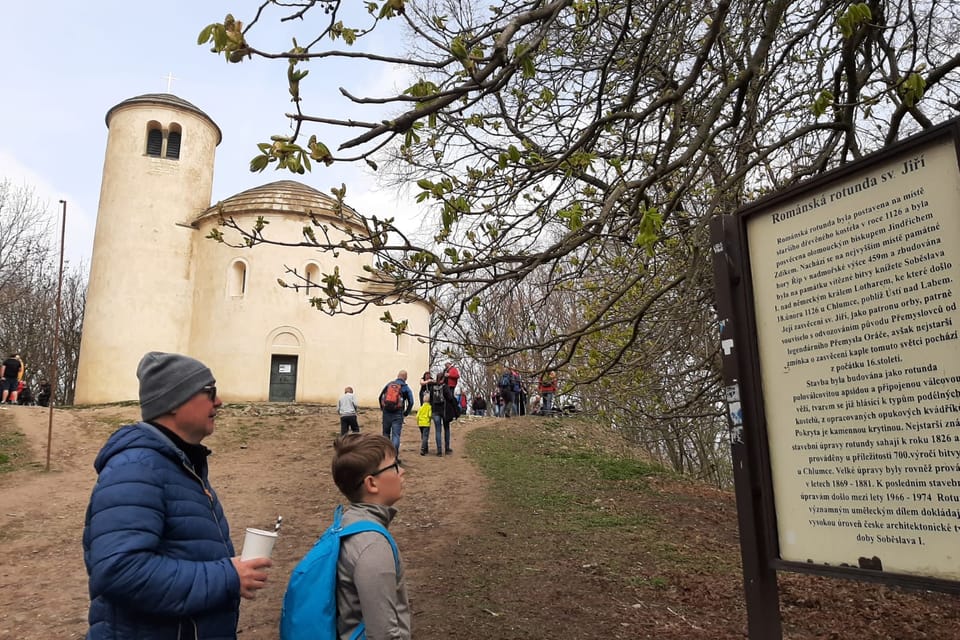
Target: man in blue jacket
<point>155,540</point>
<point>395,407</point>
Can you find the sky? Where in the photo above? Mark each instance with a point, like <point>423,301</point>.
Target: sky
<point>66,63</point>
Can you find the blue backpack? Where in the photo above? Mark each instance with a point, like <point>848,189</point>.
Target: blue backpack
<point>310,603</point>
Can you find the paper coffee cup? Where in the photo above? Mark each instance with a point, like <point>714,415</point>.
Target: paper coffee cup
<point>258,544</point>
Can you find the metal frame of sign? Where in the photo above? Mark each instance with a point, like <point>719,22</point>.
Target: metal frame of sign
<point>741,354</point>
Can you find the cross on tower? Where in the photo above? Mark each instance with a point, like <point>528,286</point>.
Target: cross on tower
<point>170,78</point>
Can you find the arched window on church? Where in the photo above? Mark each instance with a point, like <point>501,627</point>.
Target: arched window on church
<point>312,274</point>
<point>237,279</point>
<point>154,139</point>
<point>173,142</point>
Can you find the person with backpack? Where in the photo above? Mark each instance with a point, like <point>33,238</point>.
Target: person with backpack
<point>352,584</point>
<point>519,393</point>
<point>505,385</point>
<point>444,406</point>
<point>547,388</point>
<point>396,402</point>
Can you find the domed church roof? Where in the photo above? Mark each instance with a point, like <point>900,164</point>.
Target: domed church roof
<point>283,196</point>
<point>166,100</point>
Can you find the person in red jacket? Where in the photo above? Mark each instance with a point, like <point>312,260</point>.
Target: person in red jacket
<point>547,389</point>
<point>451,374</point>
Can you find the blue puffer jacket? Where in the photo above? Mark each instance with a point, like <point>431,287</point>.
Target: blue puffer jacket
<point>157,545</point>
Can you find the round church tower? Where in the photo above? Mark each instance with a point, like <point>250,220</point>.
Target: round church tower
<point>157,177</point>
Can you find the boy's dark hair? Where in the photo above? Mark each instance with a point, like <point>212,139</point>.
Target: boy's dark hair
<point>355,456</point>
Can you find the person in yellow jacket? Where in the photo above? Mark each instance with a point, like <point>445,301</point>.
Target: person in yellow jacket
<point>424,418</point>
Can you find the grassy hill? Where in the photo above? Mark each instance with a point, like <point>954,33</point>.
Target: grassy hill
<point>585,540</point>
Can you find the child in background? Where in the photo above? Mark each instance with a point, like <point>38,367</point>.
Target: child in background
<point>424,418</point>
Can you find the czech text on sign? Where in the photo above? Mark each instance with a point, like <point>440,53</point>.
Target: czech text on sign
<point>857,327</point>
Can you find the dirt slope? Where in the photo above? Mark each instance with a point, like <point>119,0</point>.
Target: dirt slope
<point>264,464</point>
<point>477,569</point>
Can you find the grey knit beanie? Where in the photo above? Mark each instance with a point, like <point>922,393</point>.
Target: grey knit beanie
<point>167,380</point>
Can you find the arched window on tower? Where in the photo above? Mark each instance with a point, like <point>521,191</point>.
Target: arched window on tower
<point>154,139</point>
<point>312,273</point>
<point>237,279</point>
<point>173,142</point>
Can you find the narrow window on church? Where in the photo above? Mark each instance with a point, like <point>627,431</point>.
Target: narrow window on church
<point>173,143</point>
<point>154,140</point>
<point>403,343</point>
<point>237,279</point>
<point>312,273</point>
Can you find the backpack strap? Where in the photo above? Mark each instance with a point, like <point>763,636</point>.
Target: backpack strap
<point>368,525</point>
<point>359,527</point>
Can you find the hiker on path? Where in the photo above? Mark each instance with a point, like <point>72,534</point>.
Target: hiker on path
<point>496,403</point>
<point>11,372</point>
<point>450,375</point>
<point>505,385</point>
<point>479,405</point>
<point>425,382</point>
<point>547,389</point>
<point>396,402</point>
<point>347,408</point>
<point>156,543</point>
<point>424,420</point>
<point>445,407</point>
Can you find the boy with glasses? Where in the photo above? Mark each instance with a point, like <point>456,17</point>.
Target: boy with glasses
<point>156,543</point>
<point>370,585</point>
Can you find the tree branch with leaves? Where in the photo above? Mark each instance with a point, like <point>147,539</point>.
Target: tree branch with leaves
<point>584,146</point>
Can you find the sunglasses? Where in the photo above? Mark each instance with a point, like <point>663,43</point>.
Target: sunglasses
<point>396,465</point>
<point>211,391</point>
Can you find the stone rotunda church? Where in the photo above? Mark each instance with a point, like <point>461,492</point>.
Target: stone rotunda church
<point>158,284</point>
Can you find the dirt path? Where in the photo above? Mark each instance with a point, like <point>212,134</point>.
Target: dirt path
<point>268,460</point>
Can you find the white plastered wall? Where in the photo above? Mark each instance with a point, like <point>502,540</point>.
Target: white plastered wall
<point>236,335</point>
